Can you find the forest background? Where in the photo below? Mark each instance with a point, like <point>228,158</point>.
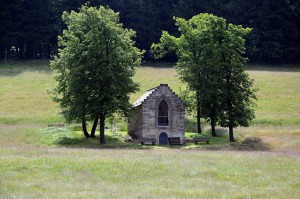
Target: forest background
<point>29,28</point>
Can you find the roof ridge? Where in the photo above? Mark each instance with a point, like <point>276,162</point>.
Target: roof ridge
<point>153,88</point>
<point>149,92</point>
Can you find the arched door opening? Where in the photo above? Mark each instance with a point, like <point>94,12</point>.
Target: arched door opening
<point>163,139</point>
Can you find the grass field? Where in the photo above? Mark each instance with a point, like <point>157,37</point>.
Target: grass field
<point>33,172</point>
<point>41,162</point>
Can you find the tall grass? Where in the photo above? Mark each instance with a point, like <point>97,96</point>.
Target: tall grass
<point>75,173</point>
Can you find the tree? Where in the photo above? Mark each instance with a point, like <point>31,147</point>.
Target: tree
<point>211,63</point>
<point>95,66</point>
<point>29,28</point>
<point>9,26</point>
<point>197,65</point>
<point>238,94</point>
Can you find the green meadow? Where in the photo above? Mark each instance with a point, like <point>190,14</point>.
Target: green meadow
<point>37,161</point>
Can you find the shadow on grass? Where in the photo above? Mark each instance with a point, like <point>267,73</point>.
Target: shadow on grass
<point>251,144</point>
<point>117,141</point>
<point>14,68</point>
<point>111,142</point>
<point>221,142</point>
<point>216,144</point>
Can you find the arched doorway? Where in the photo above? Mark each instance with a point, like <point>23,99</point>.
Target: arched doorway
<point>163,139</point>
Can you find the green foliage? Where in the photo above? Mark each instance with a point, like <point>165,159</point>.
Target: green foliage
<point>211,62</point>
<point>29,29</point>
<point>196,51</point>
<point>190,123</point>
<point>97,59</point>
<point>238,94</point>
<point>189,99</point>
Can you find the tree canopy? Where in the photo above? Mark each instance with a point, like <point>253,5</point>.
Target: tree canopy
<point>210,60</point>
<point>29,28</point>
<point>95,66</point>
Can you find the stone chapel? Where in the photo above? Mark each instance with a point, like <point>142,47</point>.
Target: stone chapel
<point>158,115</point>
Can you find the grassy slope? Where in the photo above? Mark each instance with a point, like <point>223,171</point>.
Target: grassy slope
<point>278,97</point>
<point>23,94</point>
<point>30,171</point>
<point>277,120</point>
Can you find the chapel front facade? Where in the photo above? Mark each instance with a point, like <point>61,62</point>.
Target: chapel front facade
<point>158,114</point>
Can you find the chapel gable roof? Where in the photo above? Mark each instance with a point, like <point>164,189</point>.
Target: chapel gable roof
<point>144,97</point>
<point>150,92</point>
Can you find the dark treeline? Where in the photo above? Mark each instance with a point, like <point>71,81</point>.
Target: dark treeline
<point>29,28</point>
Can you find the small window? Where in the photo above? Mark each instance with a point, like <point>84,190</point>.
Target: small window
<point>163,114</point>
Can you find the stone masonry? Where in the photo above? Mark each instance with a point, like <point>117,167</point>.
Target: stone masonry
<point>143,122</point>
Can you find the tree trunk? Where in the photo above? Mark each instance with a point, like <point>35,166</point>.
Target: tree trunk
<point>231,138</point>
<point>7,53</point>
<point>40,51</point>
<point>94,127</point>
<point>231,133</point>
<point>102,128</point>
<point>2,47</point>
<point>17,50</point>
<point>213,127</point>
<point>213,121</point>
<point>198,117</point>
<point>34,51</point>
<point>48,51</point>
<point>28,50</point>
<point>21,53</point>
<point>85,132</point>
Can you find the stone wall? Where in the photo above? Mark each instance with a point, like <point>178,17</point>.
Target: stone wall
<point>150,113</point>
<point>135,123</point>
